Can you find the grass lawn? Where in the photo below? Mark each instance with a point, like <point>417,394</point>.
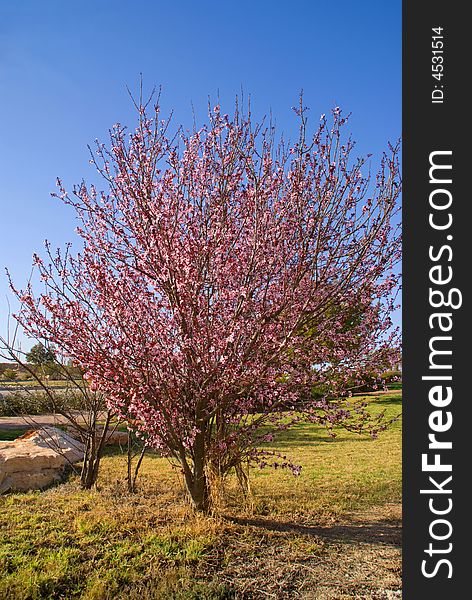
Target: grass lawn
<point>331,533</point>
<point>11,434</point>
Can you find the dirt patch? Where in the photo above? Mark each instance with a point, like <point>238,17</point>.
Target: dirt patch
<point>359,557</point>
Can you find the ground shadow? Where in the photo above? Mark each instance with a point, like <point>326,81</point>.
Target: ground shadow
<point>307,434</point>
<point>386,532</point>
<point>384,401</point>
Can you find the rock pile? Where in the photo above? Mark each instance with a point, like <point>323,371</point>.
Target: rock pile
<point>114,436</point>
<point>37,459</point>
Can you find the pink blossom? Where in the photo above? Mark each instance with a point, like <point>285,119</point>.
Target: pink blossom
<point>221,281</point>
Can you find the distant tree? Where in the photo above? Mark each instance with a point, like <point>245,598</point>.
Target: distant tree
<point>40,355</point>
<point>224,278</point>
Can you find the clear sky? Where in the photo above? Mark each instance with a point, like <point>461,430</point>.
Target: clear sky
<point>64,67</point>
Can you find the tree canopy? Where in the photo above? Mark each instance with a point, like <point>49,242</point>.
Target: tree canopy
<point>40,355</point>
<point>223,275</point>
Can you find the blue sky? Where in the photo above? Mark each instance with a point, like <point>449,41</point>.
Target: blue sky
<point>64,67</point>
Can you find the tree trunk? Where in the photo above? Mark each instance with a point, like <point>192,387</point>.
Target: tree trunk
<point>199,494</point>
<point>93,453</point>
<point>132,477</point>
<point>197,482</point>
<point>87,475</point>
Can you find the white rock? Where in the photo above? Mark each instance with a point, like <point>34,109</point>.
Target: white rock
<point>114,436</point>
<point>37,458</point>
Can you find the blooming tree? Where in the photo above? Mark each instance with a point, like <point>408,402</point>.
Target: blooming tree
<point>223,275</point>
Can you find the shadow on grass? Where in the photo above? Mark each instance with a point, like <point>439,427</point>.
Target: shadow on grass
<point>299,441</point>
<point>308,435</point>
<point>395,400</point>
<point>10,434</point>
<point>386,532</point>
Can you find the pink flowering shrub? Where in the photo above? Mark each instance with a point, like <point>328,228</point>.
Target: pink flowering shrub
<point>217,284</point>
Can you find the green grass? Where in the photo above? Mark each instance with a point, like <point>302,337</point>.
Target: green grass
<point>7,435</point>
<point>105,543</point>
<point>339,474</point>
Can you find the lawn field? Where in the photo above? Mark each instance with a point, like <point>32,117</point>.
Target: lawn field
<point>331,533</point>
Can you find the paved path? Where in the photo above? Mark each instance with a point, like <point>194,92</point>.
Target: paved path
<point>32,421</point>
<point>29,421</point>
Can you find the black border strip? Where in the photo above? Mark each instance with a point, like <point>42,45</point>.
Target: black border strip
<point>436,127</point>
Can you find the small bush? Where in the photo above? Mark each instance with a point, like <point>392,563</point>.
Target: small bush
<point>23,376</point>
<point>19,403</point>
<point>9,374</point>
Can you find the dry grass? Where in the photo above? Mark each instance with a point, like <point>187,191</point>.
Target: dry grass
<point>332,533</point>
